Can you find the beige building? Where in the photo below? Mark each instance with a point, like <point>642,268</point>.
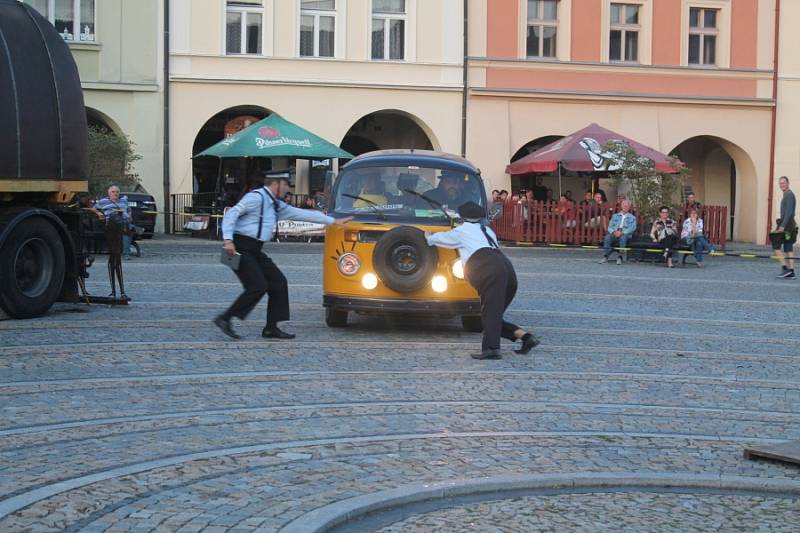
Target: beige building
<point>117,45</point>
<point>363,74</point>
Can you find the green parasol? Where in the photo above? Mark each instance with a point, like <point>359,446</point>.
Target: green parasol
<point>275,136</point>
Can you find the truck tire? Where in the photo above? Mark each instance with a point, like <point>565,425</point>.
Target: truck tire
<point>31,269</point>
<point>403,260</point>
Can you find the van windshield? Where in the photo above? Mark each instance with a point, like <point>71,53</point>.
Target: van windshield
<point>415,193</point>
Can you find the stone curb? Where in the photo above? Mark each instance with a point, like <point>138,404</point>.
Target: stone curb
<point>332,515</point>
<point>25,499</point>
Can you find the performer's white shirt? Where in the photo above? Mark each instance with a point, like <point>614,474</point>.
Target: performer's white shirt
<point>466,238</point>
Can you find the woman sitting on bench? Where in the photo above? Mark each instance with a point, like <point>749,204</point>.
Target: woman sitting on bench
<point>665,233</point>
<point>692,236</point>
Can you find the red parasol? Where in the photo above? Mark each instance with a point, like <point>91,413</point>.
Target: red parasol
<point>583,151</point>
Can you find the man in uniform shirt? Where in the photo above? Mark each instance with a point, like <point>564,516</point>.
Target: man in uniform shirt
<point>245,228</point>
<point>490,272</point>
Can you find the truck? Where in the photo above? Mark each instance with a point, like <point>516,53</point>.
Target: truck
<point>43,165</point>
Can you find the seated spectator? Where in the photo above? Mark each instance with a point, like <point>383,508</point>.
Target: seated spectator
<point>308,203</point>
<point>539,190</point>
<point>566,210</point>
<point>665,232</point>
<point>495,205</point>
<point>691,203</point>
<point>504,195</point>
<point>598,212</point>
<point>549,197</point>
<point>587,198</point>
<point>620,229</point>
<point>692,236</point>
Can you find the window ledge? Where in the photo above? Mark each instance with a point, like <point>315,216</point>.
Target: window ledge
<point>78,45</point>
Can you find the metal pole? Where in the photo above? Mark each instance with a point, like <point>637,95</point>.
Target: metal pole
<point>167,225</point>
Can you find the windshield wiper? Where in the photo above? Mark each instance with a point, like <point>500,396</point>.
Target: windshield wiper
<point>433,202</point>
<point>372,204</point>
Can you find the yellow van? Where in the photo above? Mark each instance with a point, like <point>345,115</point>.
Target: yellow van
<point>380,262</point>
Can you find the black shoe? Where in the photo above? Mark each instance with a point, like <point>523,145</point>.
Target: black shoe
<point>529,342</point>
<point>786,274</point>
<point>225,326</point>
<point>487,354</point>
<point>276,333</point>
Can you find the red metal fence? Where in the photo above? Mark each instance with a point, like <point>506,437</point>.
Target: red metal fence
<point>544,222</point>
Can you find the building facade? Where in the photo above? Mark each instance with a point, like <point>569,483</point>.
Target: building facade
<point>689,77</point>
<point>118,47</point>
<point>363,74</point>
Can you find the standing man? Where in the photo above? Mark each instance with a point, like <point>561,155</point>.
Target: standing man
<point>620,229</point>
<point>245,228</point>
<point>490,272</point>
<point>787,226</point>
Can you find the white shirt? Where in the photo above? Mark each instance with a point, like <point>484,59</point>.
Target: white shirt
<point>243,217</point>
<point>622,220</point>
<point>466,238</point>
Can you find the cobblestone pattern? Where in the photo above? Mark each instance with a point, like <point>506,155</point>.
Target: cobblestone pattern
<point>287,427</point>
<point>612,512</point>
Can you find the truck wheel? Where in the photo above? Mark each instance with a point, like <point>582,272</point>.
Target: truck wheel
<point>31,269</point>
<point>335,318</point>
<point>472,324</point>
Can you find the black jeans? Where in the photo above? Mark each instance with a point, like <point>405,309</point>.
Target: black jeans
<point>259,276</point>
<point>493,276</point>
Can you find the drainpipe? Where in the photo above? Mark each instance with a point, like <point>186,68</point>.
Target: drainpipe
<point>167,225</point>
<point>774,117</point>
<point>465,81</point>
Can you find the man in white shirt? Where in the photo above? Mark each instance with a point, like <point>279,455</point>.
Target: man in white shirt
<point>491,273</point>
<point>245,229</point>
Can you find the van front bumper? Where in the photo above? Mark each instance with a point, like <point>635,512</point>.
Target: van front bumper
<point>445,308</point>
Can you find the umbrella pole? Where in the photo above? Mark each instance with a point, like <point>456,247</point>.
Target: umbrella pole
<point>559,180</point>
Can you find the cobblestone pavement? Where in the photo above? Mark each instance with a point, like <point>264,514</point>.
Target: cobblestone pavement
<point>146,418</point>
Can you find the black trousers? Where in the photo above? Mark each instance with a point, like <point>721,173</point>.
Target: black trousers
<point>259,276</point>
<point>493,276</point>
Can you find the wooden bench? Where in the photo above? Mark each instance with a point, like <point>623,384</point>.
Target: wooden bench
<point>645,249</point>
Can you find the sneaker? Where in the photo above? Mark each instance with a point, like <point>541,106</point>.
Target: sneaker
<point>603,261</point>
<point>619,260</point>
<point>786,274</point>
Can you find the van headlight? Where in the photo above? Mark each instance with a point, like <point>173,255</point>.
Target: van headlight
<point>349,264</point>
<point>369,281</point>
<point>458,269</point>
<point>439,283</point>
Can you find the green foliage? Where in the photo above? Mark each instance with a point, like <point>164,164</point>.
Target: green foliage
<point>648,189</point>
<point>111,159</point>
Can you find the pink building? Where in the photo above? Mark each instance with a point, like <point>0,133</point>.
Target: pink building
<point>690,77</point>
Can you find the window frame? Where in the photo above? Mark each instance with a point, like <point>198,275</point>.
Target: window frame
<point>245,12</point>
<point>387,18</point>
<point>704,32</point>
<point>549,23</point>
<point>624,28</point>
<point>317,13</point>
<point>76,20</point>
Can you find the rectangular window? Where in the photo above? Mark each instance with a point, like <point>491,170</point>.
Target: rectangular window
<point>623,40</point>
<point>317,28</point>
<point>542,28</point>
<point>243,22</point>
<point>702,36</point>
<point>73,19</point>
<point>388,29</point>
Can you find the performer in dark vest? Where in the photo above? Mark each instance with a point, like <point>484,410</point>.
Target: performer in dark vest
<point>491,273</point>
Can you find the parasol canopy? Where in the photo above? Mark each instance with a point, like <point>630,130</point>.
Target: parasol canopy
<point>275,136</point>
<point>584,151</point>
